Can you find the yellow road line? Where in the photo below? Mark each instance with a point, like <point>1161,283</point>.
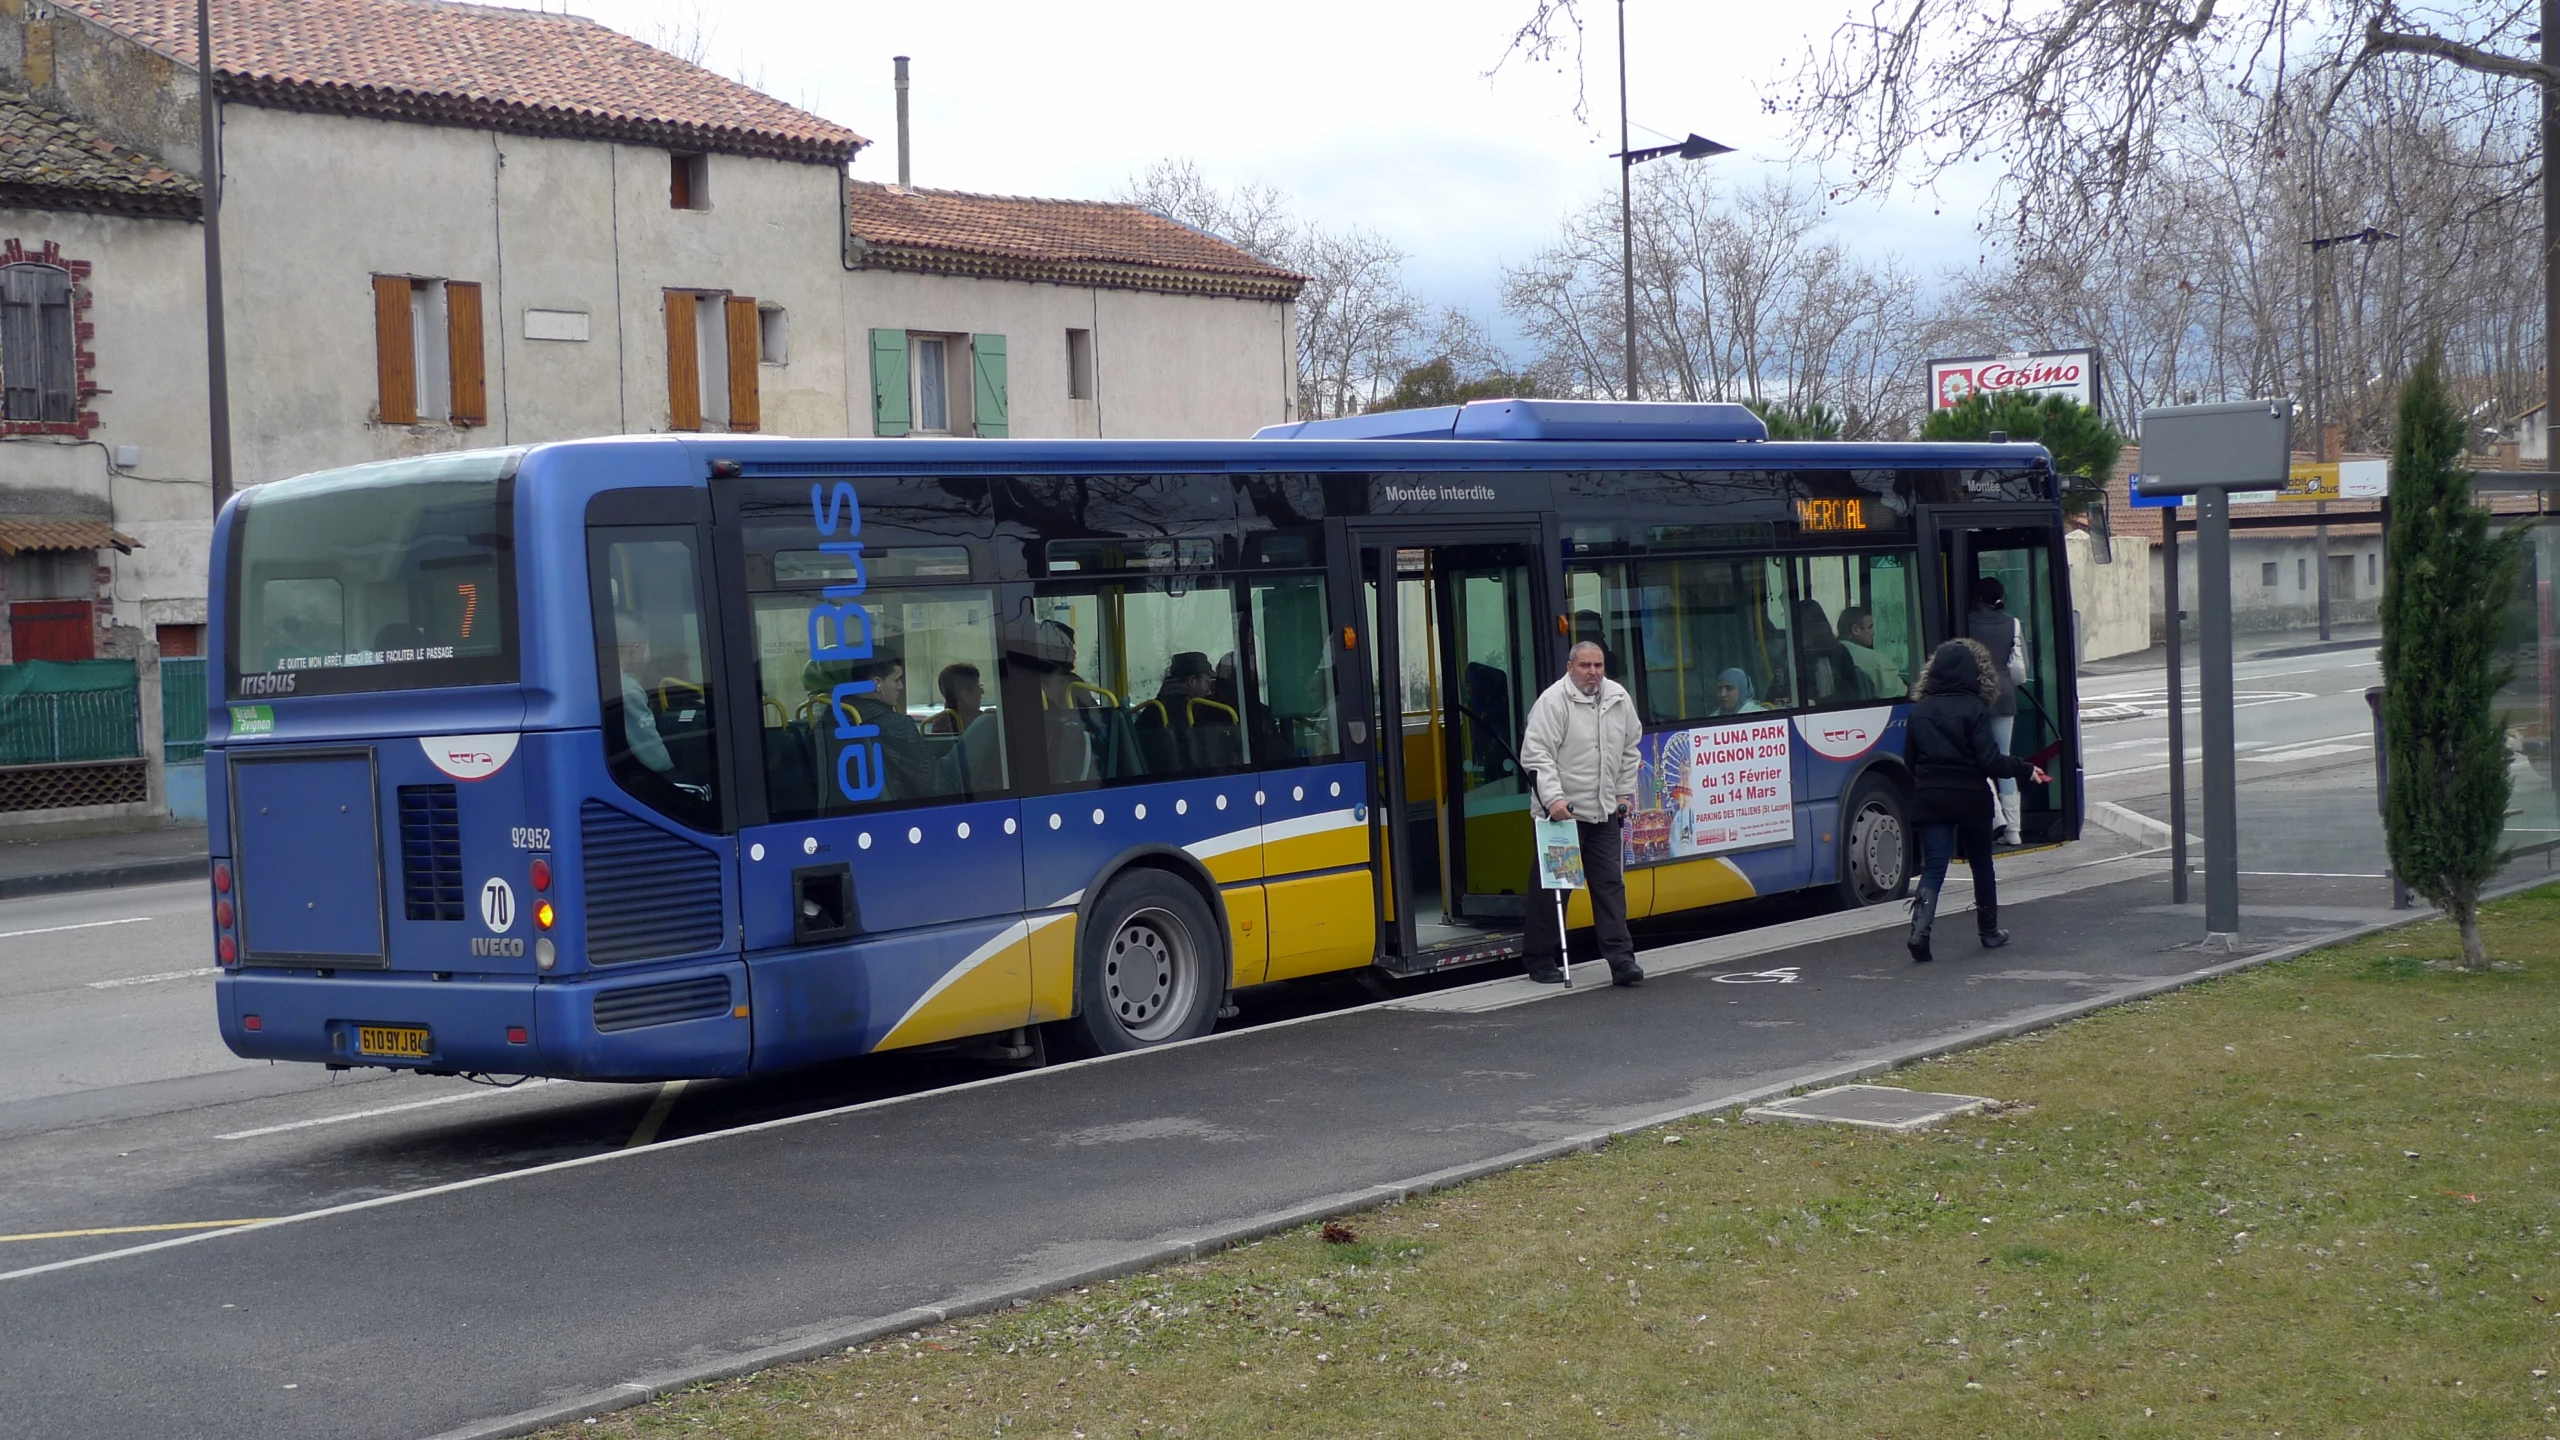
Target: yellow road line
<point>657,1116</point>
<point>138,1229</point>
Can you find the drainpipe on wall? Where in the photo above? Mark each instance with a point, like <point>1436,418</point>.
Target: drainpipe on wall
<point>209,166</point>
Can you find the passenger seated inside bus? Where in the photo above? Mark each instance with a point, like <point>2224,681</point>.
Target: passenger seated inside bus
<point>1830,674</point>
<point>1734,695</point>
<point>964,696</point>
<point>908,767</point>
<point>1182,728</point>
<point>639,722</point>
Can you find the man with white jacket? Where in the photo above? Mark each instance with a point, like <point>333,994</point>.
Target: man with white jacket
<point>1580,746</point>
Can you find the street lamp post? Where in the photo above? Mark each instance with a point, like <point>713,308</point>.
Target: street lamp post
<point>2369,235</point>
<point>1696,147</point>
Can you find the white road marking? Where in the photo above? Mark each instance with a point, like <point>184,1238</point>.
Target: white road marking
<point>83,925</point>
<point>156,979</point>
<point>1783,975</point>
<point>2305,752</point>
<point>477,1094</point>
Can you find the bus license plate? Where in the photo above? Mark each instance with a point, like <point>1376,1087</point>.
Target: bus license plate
<point>399,1042</point>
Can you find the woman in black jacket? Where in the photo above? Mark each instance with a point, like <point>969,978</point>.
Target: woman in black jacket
<point>1953,760</point>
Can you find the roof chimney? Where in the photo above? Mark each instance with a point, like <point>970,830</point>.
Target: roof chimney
<point>902,121</point>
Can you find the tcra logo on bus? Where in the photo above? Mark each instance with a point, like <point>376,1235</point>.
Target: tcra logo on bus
<point>469,757</point>
<point>840,636</point>
<point>1843,734</point>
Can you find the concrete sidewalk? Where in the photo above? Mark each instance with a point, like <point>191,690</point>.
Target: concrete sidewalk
<point>56,864</point>
<point>493,1306</point>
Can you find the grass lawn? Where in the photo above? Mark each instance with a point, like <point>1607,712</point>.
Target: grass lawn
<point>2304,1201</point>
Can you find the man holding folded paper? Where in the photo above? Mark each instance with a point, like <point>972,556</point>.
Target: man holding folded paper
<point>1580,752</point>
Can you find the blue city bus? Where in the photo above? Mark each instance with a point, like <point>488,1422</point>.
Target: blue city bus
<point>677,756</point>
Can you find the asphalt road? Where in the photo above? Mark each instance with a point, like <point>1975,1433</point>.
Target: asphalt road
<point>2304,738</point>
<point>442,1307</point>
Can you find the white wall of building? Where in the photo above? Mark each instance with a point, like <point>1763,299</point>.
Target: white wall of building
<point>2113,601</point>
<point>1165,366</point>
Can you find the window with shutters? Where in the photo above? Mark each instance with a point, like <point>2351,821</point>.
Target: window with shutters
<point>715,341</point>
<point>430,352</point>
<point>39,347</point>
<point>928,383</point>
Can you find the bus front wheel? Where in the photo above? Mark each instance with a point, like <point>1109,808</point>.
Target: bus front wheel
<point>1875,844</point>
<point>1151,968</point>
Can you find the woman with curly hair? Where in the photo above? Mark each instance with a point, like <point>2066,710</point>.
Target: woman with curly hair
<point>1953,760</point>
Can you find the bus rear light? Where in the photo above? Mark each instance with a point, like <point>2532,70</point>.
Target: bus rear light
<point>545,954</point>
<point>228,951</point>
<point>252,1022</point>
<point>541,874</point>
<point>222,879</point>
<point>222,913</point>
<point>516,1035</point>
<point>543,915</point>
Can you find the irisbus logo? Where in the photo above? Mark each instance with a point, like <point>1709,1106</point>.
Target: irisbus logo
<point>840,631</point>
<point>269,684</point>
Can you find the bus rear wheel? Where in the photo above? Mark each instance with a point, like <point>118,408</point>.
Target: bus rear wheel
<point>1151,968</point>
<point>1875,844</point>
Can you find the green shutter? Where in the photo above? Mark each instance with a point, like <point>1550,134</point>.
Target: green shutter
<point>994,399</point>
<point>888,382</point>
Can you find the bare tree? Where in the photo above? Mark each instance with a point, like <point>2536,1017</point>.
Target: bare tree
<point>1737,298</point>
<point>1358,324</point>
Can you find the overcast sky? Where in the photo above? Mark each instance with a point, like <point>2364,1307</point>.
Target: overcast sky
<point>1376,113</point>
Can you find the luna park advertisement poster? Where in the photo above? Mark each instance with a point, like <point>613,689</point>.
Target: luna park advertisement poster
<point>1711,789</point>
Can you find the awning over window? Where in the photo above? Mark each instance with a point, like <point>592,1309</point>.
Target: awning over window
<point>35,532</point>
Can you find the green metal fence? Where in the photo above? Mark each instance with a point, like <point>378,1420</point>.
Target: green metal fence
<point>51,728</point>
<point>182,710</point>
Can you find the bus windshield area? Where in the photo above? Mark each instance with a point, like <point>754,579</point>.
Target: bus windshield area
<point>382,577</point>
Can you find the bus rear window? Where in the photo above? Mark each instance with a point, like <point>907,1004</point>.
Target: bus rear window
<point>398,576</point>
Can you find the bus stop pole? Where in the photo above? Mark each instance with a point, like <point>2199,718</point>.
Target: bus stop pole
<point>2177,714</point>
<point>2214,689</point>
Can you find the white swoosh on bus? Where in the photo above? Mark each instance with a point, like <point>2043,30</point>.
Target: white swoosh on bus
<point>988,950</point>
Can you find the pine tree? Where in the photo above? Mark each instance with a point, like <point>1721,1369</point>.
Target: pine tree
<point>2443,610</point>
<point>2080,439</point>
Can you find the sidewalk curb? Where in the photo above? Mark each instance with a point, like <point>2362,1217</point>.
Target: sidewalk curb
<point>812,1342</point>
<point>111,877</point>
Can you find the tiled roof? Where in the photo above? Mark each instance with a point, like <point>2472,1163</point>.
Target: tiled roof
<point>439,63</point>
<point>36,532</point>
<point>1067,242</point>
<point>48,162</point>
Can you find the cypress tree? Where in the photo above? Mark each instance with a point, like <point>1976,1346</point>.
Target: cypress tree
<point>2443,611</point>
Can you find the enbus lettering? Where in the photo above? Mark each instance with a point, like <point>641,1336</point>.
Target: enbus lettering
<point>841,631</point>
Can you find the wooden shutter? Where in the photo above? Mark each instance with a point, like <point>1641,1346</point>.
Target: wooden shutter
<point>462,342</point>
<point>994,404</point>
<point>680,182</point>
<point>684,364</point>
<point>395,356</point>
<point>746,348</point>
<point>889,382</point>
<point>21,345</point>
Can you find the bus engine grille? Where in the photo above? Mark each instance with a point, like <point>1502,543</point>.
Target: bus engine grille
<point>649,894</point>
<point>639,1006</point>
<point>431,852</point>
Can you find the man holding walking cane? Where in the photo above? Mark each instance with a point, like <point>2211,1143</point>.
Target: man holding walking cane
<point>1580,752</point>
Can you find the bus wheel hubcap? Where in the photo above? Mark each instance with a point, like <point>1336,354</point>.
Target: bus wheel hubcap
<point>1149,974</point>
<point>1875,849</point>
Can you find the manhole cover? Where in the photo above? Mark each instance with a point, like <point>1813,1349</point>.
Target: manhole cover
<point>1870,1107</point>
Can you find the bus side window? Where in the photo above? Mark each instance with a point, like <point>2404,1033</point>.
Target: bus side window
<point>652,679</point>
<point>1712,645</point>
<point>919,708</point>
<point>1292,654</point>
<point>1149,689</point>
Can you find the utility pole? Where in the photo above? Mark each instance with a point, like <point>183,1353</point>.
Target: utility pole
<point>901,63</point>
<point>217,369</point>
<point>1696,147</point>
<point>1627,202</point>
